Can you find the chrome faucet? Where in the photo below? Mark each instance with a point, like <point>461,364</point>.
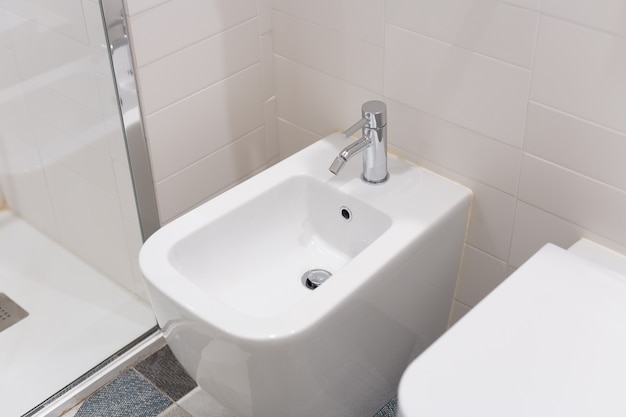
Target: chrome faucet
<point>373,143</point>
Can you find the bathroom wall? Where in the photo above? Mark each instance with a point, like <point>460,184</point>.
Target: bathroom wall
<point>63,164</point>
<point>205,76</point>
<point>523,101</point>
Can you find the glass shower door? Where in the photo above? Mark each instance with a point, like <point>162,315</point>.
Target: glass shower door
<point>69,231</point>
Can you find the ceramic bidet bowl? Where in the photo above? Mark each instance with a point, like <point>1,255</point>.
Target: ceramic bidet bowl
<point>226,284</point>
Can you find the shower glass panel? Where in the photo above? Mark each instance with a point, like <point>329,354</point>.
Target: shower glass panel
<point>69,230</point>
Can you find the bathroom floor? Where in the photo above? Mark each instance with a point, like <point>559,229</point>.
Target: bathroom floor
<point>75,316</point>
<point>159,387</point>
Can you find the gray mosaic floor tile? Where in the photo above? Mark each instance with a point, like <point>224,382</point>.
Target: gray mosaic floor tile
<point>130,394</point>
<point>164,371</point>
<point>389,410</point>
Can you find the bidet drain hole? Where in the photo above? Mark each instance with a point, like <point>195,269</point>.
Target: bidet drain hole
<point>346,213</point>
<point>315,277</point>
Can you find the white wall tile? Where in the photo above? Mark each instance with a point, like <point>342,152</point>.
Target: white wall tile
<point>264,8</point>
<point>69,116</point>
<point>194,67</point>
<point>76,199</point>
<point>173,25</point>
<point>577,144</point>
<point>606,15</point>
<point>363,19</point>
<point>453,147</point>
<point>581,71</point>
<point>490,27</point>
<point>458,311</point>
<point>97,42</point>
<point>492,212</point>
<point>581,200</point>
<point>62,16</point>
<point>28,195</point>
<point>471,90</point>
<point>479,275</point>
<point>5,34</point>
<point>527,4</point>
<point>293,138</point>
<point>315,101</point>
<point>204,122</point>
<point>137,6</point>
<point>9,76</point>
<point>85,161</point>
<point>47,58</point>
<point>535,227</point>
<point>84,152</point>
<point>491,222</point>
<point>196,183</point>
<point>271,127</point>
<point>115,142</point>
<point>128,207</point>
<point>108,97</point>
<point>267,65</point>
<point>329,51</point>
<point>24,182</point>
<point>125,191</point>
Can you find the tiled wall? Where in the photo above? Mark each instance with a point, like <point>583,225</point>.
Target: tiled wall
<point>63,163</point>
<point>524,101</point>
<point>205,78</point>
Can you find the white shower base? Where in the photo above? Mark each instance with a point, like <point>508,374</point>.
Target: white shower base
<point>77,317</point>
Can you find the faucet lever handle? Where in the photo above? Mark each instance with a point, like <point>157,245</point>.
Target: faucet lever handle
<point>352,129</point>
<point>374,116</point>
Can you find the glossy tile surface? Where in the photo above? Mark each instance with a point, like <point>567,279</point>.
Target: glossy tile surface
<point>476,90</point>
<point>490,27</point>
<point>583,87</point>
<point>473,88</point>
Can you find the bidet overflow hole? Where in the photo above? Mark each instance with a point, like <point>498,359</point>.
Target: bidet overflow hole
<point>346,213</point>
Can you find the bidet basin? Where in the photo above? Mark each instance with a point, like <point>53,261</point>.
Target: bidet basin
<point>248,258</point>
<point>225,281</point>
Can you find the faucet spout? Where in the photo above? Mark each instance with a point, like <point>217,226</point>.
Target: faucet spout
<point>373,144</point>
<point>348,152</point>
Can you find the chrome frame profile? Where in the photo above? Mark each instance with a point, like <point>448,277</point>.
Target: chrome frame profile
<point>120,56</point>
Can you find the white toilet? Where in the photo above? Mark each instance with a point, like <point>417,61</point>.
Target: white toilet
<point>549,341</point>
